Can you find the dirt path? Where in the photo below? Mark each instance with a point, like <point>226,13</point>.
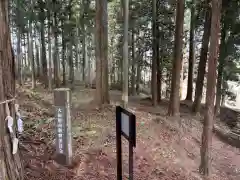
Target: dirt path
<point>166,149</point>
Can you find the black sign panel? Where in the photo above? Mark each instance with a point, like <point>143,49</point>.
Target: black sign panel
<point>126,126</point>
<point>126,121</point>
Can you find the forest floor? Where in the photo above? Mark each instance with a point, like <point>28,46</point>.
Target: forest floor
<point>166,149</point>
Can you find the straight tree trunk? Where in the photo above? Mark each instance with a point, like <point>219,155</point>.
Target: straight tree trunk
<point>43,46</point>
<point>203,60</point>
<point>222,56</point>
<point>159,64</point>
<point>105,53</point>
<point>37,61</point>
<point>211,85</point>
<point>191,60</point>
<point>71,64</point>
<point>10,164</point>
<point>101,40</point>
<point>24,61</point>
<point>70,47</point>
<point>138,74</point>
<point>63,60</point>
<point>56,65</point>
<point>173,109</point>
<point>31,56</point>
<point>40,57</point>
<point>133,79</point>
<point>154,53</point>
<point>77,47</point>
<point>125,52</point>
<point>49,52</point>
<point>19,57</point>
<point>83,50</point>
<point>120,61</point>
<point>88,58</point>
<point>112,75</point>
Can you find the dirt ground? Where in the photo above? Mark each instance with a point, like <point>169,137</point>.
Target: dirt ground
<point>167,148</point>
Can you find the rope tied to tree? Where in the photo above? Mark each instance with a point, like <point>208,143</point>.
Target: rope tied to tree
<point>7,101</point>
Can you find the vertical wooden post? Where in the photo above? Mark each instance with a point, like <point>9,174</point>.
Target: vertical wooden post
<point>118,143</point>
<point>62,97</point>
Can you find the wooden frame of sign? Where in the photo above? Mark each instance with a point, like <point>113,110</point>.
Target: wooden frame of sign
<point>125,126</point>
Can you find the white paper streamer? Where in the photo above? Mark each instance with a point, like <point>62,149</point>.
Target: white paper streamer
<point>20,125</point>
<point>15,145</point>
<point>10,123</point>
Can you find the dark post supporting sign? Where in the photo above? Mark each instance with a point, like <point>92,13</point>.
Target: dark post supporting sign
<point>126,126</point>
<point>62,102</point>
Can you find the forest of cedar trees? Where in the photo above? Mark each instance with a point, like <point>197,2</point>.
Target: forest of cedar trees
<point>174,63</point>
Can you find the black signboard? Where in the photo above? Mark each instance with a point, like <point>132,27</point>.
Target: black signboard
<point>126,126</point>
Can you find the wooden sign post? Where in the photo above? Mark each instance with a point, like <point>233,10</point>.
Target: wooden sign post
<point>126,126</point>
<point>62,97</point>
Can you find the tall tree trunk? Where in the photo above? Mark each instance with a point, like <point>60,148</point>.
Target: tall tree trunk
<point>37,60</point>
<point>168,87</point>
<point>159,61</point>
<point>10,164</point>
<point>70,61</point>
<point>133,79</point>
<point>24,65</point>
<point>120,61</point>
<point>43,46</point>
<point>49,52</point>
<point>191,60</point>
<point>112,75</point>
<point>78,51</point>
<point>101,40</point>
<point>211,85</point>
<point>138,80</point>
<point>222,56</point>
<point>19,57</point>
<point>125,52</point>
<point>83,50</point>
<point>105,53</point>
<point>154,53</point>
<point>88,58</point>
<point>203,59</point>
<point>63,60</point>
<point>174,104</point>
<point>55,49</point>
<point>40,57</point>
<point>31,55</point>
<point>70,47</point>
<point>28,54</point>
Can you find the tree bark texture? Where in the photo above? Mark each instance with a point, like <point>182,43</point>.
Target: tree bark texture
<point>10,165</point>
<point>101,40</point>
<point>133,77</point>
<point>31,56</point>
<point>203,60</point>
<point>173,109</point>
<point>125,52</point>
<point>154,53</point>
<point>43,46</point>
<point>222,56</point>
<point>191,59</point>
<point>49,51</point>
<point>211,86</point>
<point>159,67</point>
